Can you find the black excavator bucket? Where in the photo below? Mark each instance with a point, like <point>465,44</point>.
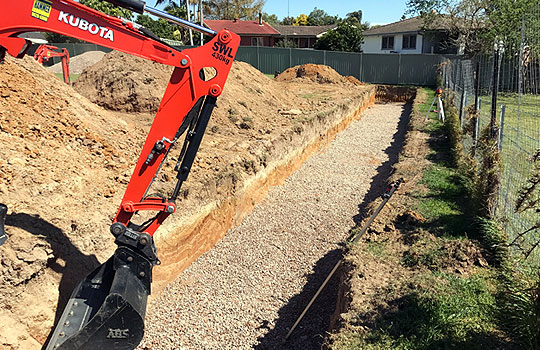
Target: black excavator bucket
<point>107,309</point>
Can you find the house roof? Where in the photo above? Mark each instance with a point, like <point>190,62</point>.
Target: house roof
<point>241,27</point>
<point>288,30</point>
<point>409,25</point>
<point>413,24</point>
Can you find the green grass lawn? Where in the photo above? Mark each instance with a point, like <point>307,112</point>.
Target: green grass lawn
<point>72,77</point>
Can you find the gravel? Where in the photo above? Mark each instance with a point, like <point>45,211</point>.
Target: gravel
<point>248,290</point>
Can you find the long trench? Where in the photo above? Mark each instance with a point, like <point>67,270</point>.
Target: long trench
<point>246,292</point>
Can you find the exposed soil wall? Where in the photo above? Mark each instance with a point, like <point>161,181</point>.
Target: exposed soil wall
<point>180,246</point>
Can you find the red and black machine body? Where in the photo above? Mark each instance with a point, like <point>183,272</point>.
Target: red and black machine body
<point>107,309</point>
<point>45,52</point>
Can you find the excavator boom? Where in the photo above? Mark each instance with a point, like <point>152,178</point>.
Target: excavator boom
<point>45,52</point>
<point>107,309</point>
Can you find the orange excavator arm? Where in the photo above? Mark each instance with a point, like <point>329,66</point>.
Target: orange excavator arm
<point>107,309</point>
<point>45,52</point>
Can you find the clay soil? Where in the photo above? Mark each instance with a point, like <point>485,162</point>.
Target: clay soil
<point>316,73</point>
<point>66,162</point>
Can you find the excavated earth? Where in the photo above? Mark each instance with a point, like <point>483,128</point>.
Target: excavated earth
<point>316,73</point>
<point>80,62</point>
<point>66,162</point>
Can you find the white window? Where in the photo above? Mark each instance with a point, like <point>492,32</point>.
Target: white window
<point>387,43</point>
<point>409,42</point>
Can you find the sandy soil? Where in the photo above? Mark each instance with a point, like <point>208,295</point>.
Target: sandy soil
<point>79,63</point>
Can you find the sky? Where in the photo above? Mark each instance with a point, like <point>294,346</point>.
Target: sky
<point>373,11</point>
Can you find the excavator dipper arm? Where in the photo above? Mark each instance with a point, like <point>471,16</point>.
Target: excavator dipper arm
<point>107,309</point>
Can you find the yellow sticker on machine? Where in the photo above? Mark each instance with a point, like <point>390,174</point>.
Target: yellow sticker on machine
<point>42,9</point>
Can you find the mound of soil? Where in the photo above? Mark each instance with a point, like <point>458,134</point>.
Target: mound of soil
<point>59,169</point>
<point>65,164</point>
<point>353,80</point>
<point>80,62</point>
<point>117,82</point>
<point>316,73</point>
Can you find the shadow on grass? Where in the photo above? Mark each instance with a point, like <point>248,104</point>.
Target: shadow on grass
<point>77,264</point>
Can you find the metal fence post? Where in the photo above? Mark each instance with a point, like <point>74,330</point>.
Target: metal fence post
<point>463,104</point>
<point>324,57</point>
<point>444,76</point>
<point>477,122</point>
<point>477,87</point>
<point>501,127</point>
<point>494,92</point>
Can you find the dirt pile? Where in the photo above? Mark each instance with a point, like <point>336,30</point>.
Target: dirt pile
<point>65,164</point>
<point>353,80</point>
<point>60,167</point>
<point>123,82</point>
<point>316,73</point>
<point>80,62</point>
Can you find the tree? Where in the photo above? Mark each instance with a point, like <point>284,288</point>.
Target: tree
<point>463,20</point>
<point>354,17</point>
<point>59,38</point>
<point>301,20</point>
<point>231,9</point>
<point>163,29</point>
<point>346,37</point>
<point>286,43</point>
<point>474,24</point>
<point>506,18</point>
<point>287,21</point>
<point>319,17</point>
<point>271,19</point>
<point>108,8</point>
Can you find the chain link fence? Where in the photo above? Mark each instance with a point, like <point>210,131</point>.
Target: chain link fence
<point>504,91</point>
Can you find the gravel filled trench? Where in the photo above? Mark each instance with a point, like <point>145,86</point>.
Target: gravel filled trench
<point>246,292</point>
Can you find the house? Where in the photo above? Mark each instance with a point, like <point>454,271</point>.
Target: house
<point>252,33</point>
<point>407,37</point>
<point>302,36</point>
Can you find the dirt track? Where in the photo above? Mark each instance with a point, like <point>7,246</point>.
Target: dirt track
<point>247,291</point>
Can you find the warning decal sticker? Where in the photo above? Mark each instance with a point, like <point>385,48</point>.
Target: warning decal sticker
<point>42,9</point>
